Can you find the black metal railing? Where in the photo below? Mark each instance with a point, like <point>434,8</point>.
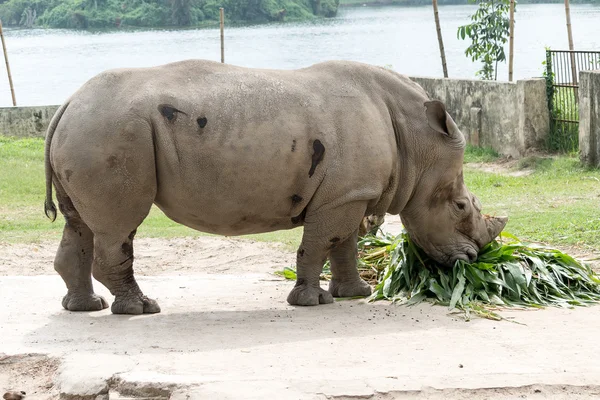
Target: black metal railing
<point>562,84</point>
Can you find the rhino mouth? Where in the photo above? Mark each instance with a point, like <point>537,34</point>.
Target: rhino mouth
<point>469,256</point>
<point>449,257</point>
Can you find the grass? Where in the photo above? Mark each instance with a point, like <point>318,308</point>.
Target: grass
<point>557,204</point>
<point>480,154</point>
<point>22,195</point>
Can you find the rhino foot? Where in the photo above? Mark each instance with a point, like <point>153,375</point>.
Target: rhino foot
<point>84,302</point>
<point>134,305</point>
<point>304,295</point>
<point>354,288</point>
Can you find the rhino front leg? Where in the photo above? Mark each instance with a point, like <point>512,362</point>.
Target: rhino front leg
<point>310,259</point>
<point>346,282</point>
<point>113,267</point>
<point>323,231</point>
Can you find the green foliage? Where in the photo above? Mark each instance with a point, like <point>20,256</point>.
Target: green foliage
<point>85,14</point>
<point>12,11</point>
<point>329,8</point>
<point>508,273</point>
<point>146,14</point>
<point>488,32</point>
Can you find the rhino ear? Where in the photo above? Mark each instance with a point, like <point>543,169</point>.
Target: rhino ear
<point>440,121</point>
<point>437,116</point>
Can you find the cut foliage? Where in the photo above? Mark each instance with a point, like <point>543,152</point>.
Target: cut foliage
<point>507,273</point>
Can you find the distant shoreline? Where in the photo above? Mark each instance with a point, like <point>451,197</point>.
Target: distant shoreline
<point>413,3</point>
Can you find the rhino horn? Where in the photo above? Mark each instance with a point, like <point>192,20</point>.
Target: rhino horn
<point>495,225</point>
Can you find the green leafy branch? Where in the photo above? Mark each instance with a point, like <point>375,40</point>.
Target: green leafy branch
<point>488,32</point>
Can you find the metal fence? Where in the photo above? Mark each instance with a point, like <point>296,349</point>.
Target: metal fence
<point>562,72</point>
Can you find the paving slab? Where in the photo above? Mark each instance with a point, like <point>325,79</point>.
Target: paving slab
<point>235,337</point>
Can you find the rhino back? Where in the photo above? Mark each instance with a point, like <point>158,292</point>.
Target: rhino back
<point>241,150</point>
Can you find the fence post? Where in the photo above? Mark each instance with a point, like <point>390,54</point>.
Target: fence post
<point>589,118</point>
<point>10,82</point>
<point>511,55</point>
<point>222,14</point>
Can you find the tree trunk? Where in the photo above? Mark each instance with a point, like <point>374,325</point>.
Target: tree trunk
<point>571,48</point>
<point>440,40</point>
<point>10,82</point>
<point>511,55</point>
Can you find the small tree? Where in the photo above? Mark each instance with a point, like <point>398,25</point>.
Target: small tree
<point>488,32</point>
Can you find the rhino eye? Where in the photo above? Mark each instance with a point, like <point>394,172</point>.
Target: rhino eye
<point>461,205</point>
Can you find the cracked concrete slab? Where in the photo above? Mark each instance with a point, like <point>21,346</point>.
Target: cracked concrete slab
<point>235,337</point>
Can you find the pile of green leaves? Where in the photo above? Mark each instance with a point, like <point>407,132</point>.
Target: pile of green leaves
<point>506,273</point>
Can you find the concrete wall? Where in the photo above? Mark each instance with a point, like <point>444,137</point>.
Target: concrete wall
<point>511,118</point>
<point>589,118</point>
<point>25,121</point>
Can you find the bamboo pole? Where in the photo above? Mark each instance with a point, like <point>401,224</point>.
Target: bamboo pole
<point>10,82</point>
<point>439,35</point>
<point>571,48</point>
<point>511,55</point>
<point>222,13</point>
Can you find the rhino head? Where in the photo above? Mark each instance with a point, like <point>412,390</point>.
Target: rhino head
<point>442,216</point>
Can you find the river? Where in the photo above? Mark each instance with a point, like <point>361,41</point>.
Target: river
<point>49,65</point>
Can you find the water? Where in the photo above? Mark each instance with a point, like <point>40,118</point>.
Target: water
<point>49,65</point>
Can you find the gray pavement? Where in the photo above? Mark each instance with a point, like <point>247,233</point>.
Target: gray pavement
<point>235,337</point>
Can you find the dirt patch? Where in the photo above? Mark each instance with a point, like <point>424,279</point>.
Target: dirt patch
<point>507,167</point>
<point>199,255</point>
<point>179,256</point>
<point>33,374</point>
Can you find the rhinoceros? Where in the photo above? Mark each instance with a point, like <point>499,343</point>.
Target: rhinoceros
<point>232,151</point>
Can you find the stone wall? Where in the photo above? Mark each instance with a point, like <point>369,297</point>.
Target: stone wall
<point>25,121</point>
<point>589,118</point>
<point>511,118</point>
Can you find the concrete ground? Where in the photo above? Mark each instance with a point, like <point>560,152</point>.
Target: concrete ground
<point>233,336</point>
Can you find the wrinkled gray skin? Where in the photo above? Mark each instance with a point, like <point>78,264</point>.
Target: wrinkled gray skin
<point>233,151</point>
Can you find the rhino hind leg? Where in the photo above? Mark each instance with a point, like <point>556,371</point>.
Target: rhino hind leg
<point>346,282</point>
<point>113,267</point>
<point>74,260</point>
<point>324,231</point>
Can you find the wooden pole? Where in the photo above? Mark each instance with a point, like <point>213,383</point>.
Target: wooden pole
<point>439,35</point>
<point>511,55</point>
<point>571,48</point>
<point>222,13</point>
<point>10,82</point>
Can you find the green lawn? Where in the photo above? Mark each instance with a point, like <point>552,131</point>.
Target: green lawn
<point>22,195</point>
<point>557,204</point>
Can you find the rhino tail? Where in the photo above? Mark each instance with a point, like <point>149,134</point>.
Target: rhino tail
<point>49,206</point>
